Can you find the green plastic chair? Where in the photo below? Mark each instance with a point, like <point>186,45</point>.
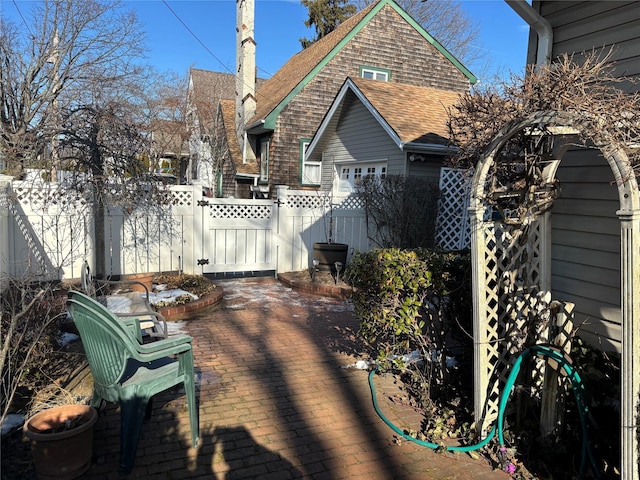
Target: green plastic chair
<point>130,373</point>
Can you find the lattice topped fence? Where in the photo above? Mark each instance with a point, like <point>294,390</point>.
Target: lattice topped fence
<point>322,200</point>
<point>52,227</point>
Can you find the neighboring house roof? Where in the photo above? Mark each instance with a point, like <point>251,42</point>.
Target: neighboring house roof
<point>209,88</point>
<point>414,117</point>
<point>276,92</point>
<point>228,109</point>
<point>170,138</point>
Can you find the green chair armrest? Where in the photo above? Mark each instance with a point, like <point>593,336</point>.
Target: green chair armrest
<point>162,348</point>
<point>133,326</point>
<point>144,317</point>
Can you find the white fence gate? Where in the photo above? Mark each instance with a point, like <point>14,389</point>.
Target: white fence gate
<point>238,236</point>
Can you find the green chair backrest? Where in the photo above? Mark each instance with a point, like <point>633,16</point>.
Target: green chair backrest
<point>107,343</point>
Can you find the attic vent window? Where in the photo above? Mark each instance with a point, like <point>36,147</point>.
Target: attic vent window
<point>375,73</point>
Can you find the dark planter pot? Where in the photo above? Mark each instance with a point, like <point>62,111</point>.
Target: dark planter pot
<point>329,253</point>
<point>64,454</point>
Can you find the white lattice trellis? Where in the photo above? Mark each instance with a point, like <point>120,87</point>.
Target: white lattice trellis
<point>452,231</point>
<point>240,211</point>
<point>519,311</point>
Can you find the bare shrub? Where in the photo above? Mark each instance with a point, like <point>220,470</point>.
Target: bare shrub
<point>401,210</point>
<point>30,314</point>
<point>581,90</point>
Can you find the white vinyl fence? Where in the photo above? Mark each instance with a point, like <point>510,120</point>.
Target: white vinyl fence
<point>47,230</point>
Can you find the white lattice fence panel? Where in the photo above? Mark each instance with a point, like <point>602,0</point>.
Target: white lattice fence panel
<point>182,198</point>
<point>48,229</point>
<point>307,201</point>
<point>240,211</point>
<point>453,225</point>
<point>307,217</point>
<point>157,238</point>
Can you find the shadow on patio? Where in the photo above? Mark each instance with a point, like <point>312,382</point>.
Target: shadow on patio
<point>275,401</point>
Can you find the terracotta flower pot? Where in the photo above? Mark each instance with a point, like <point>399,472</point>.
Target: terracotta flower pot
<point>59,452</point>
<point>145,278</point>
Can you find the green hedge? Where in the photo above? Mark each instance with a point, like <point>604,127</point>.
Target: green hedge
<point>408,300</point>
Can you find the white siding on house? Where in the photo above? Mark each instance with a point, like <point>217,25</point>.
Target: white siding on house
<point>359,137</point>
<point>585,264</point>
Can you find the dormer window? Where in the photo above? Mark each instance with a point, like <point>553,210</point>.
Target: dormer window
<point>375,73</point>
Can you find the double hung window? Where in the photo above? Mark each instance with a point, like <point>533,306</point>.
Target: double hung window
<point>310,172</point>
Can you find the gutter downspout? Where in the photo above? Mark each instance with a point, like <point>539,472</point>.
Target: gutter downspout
<point>540,24</point>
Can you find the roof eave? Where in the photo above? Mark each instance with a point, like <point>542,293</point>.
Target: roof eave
<point>433,148</point>
<point>247,175</point>
<point>258,127</point>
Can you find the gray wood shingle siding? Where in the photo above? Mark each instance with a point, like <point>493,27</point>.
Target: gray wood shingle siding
<point>584,26</point>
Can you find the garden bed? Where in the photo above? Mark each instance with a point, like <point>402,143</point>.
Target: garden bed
<point>180,306</point>
<point>323,283</point>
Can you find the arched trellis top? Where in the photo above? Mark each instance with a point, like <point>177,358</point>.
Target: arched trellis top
<point>569,126</point>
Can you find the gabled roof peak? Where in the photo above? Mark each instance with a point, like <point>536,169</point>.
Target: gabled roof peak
<point>276,92</point>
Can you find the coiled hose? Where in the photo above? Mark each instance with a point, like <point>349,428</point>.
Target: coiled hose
<point>539,350</point>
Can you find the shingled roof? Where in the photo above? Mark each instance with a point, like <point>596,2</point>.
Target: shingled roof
<point>228,108</point>
<point>414,117</point>
<point>209,88</point>
<point>416,114</point>
<point>170,138</point>
<point>276,92</point>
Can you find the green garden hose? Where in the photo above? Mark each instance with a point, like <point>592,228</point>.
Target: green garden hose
<point>541,350</point>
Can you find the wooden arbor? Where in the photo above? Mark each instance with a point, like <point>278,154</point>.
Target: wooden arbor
<point>511,265</point>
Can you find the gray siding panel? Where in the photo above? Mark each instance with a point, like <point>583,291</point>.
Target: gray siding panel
<point>586,256</point>
<point>359,137</point>
<point>595,25</point>
<point>585,238</point>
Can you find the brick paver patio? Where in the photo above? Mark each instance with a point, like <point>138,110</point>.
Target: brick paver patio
<point>276,401</point>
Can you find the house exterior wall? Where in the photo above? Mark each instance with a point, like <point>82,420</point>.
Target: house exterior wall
<point>228,176</point>
<point>585,236</point>
<point>587,25</point>
<point>428,167</point>
<point>360,137</point>
<point>585,246</point>
<point>386,42</point>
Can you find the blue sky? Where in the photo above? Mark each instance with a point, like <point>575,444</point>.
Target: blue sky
<point>279,25</point>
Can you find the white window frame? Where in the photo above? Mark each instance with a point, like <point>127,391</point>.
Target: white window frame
<point>374,73</point>
<point>349,173</point>
<point>264,160</point>
<point>306,165</point>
